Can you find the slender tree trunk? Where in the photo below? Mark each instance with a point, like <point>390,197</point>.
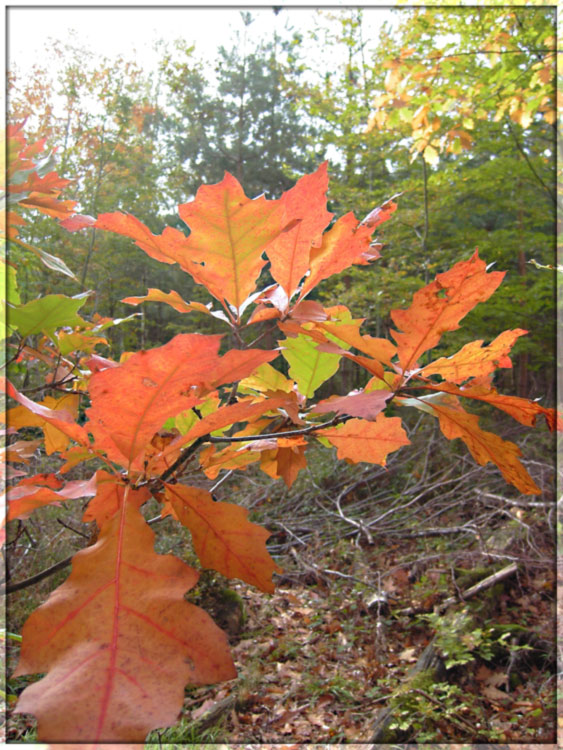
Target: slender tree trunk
<point>522,386</point>
<point>93,209</point>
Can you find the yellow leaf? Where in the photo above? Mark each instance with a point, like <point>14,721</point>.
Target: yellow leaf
<point>430,155</point>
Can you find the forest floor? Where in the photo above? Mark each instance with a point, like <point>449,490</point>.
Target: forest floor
<point>355,608</point>
<point>316,663</point>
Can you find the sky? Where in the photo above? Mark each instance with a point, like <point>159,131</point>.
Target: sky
<point>131,31</point>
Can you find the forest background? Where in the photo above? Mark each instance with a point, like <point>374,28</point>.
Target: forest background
<point>468,139</point>
<point>451,110</point>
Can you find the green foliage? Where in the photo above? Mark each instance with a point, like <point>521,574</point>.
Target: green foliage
<point>460,640</point>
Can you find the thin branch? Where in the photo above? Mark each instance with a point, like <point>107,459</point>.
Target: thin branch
<point>71,528</point>
<point>11,587</point>
<point>182,459</point>
<point>529,163</point>
<point>49,386</point>
<point>275,435</point>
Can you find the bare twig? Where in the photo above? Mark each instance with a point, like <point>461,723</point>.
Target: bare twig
<point>71,528</point>
<point>11,587</point>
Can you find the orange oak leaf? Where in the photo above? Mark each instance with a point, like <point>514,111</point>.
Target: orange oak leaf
<point>359,440</point>
<point>305,205</point>
<point>440,306</point>
<point>381,350</point>
<point>521,409</point>
<point>61,419</point>
<point>109,498</point>
<point>25,497</point>
<point>171,298</point>
<point>117,641</point>
<point>223,538</point>
<point>168,247</point>
<point>484,446</point>
<point>44,480</point>
<point>474,359</point>
<point>358,404</point>
<point>213,461</point>
<point>48,204</point>
<point>229,233</point>
<point>346,243</point>
<point>55,439</point>
<point>290,459</point>
<point>159,383</point>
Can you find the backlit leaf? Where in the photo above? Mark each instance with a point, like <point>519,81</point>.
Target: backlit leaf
<point>266,378</point>
<point>305,204</point>
<point>440,306</point>
<point>168,247</point>
<point>343,245</point>
<point>229,232</point>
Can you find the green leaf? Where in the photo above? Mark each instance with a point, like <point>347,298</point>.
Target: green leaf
<point>46,314</point>
<point>8,282</point>
<point>265,378</point>
<point>309,367</point>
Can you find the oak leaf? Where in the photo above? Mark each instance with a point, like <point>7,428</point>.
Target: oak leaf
<point>474,359</point>
<point>213,461</point>
<point>359,440</point>
<point>55,439</point>
<point>168,247</point>
<point>440,306</point>
<point>229,233</point>
<point>346,243</point>
<point>171,298</point>
<point>484,446</point>
<point>61,419</point>
<point>308,366</point>
<point>282,456</point>
<point>305,206</point>
<point>358,404</point>
<point>521,409</point>
<point>244,410</point>
<point>159,384</point>
<point>26,497</point>
<point>223,538</point>
<point>108,498</point>
<point>117,641</point>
